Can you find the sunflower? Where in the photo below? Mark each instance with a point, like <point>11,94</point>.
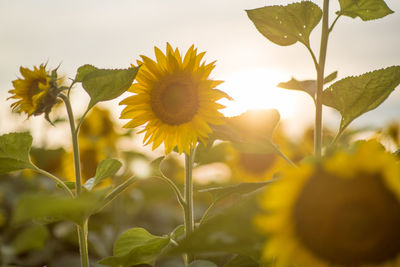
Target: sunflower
<point>253,167</point>
<point>343,211</point>
<point>175,99</point>
<point>36,92</point>
<point>97,141</point>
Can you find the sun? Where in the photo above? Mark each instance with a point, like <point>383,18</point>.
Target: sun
<point>257,89</point>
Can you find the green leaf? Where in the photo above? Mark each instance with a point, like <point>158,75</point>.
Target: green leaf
<point>105,84</point>
<point>56,206</point>
<point>285,25</point>
<point>242,261</point>
<point>14,152</point>
<point>155,166</point>
<point>207,155</point>
<point>239,189</point>
<point>230,231</point>
<point>136,246</point>
<point>353,96</point>
<point>83,71</point>
<point>308,86</point>
<point>202,263</point>
<point>31,238</point>
<point>69,184</point>
<point>106,168</point>
<point>365,9</point>
<point>249,132</point>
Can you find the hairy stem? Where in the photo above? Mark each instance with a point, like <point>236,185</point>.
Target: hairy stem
<point>82,228</point>
<point>188,195</point>
<point>83,244</point>
<point>320,80</point>
<point>75,146</point>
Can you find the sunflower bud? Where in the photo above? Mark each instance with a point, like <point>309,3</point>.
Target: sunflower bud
<point>36,92</point>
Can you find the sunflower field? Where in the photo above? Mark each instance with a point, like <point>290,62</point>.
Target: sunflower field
<point>173,181</point>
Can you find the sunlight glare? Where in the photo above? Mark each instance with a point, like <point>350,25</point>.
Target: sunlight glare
<point>257,89</point>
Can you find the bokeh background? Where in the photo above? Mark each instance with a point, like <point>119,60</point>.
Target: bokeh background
<point>112,34</point>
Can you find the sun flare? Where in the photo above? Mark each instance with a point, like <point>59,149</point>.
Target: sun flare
<point>257,89</point>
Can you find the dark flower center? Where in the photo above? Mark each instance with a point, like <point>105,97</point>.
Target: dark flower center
<point>175,99</point>
<point>348,222</point>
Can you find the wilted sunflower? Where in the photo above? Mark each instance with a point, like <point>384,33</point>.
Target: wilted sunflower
<point>36,92</point>
<point>344,211</point>
<point>175,99</point>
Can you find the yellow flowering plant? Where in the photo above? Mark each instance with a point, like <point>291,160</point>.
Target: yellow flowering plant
<point>36,93</point>
<point>339,206</point>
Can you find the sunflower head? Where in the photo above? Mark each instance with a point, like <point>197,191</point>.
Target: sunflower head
<point>174,99</point>
<point>252,167</point>
<point>36,92</point>
<point>343,211</point>
<point>99,127</point>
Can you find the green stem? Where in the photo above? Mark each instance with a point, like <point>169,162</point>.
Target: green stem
<point>81,120</point>
<point>320,80</point>
<point>313,57</point>
<point>205,215</point>
<point>56,179</point>
<point>173,186</point>
<point>82,229</point>
<point>83,244</point>
<point>188,195</point>
<point>75,146</point>
<point>334,22</point>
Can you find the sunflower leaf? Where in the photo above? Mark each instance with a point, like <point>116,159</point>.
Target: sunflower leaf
<point>240,189</point>
<point>106,168</point>
<point>30,238</point>
<point>83,71</point>
<point>308,86</point>
<point>210,237</point>
<point>105,84</point>
<point>14,152</point>
<point>285,25</point>
<point>353,96</point>
<point>136,246</point>
<point>249,132</point>
<point>364,9</point>
<point>242,261</point>
<point>202,263</point>
<point>57,206</point>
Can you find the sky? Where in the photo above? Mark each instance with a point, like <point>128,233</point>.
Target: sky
<point>112,34</point>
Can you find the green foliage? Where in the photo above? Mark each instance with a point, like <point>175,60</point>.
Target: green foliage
<point>242,261</point>
<point>229,231</point>
<point>365,9</point>
<point>31,238</point>
<point>202,263</point>
<point>207,155</point>
<point>104,84</point>
<point>14,152</point>
<point>106,168</point>
<point>136,246</point>
<point>285,25</point>
<point>353,96</point>
<point>250,132</point>
<point>56,206</point>
<point>308,86</point>
<point>238,189</point>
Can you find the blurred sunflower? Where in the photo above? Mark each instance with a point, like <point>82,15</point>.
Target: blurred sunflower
<point>36,92</point>
<point>253,167</point>
<point>97,141</point>
<point>344,211</point>
<point>175,99</point>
